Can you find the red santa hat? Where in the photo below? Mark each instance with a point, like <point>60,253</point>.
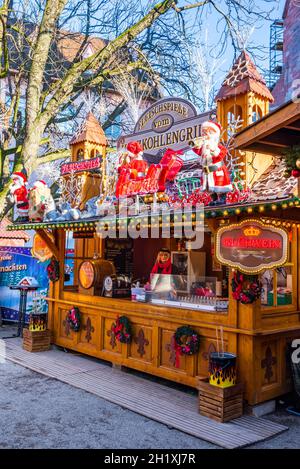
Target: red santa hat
<point>212,125</point>
<point>40,184</point>
<point>20,176</point>
<point>134,148</point>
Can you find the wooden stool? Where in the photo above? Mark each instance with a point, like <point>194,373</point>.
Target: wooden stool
<point>36,341</point>
<point>220,404</point>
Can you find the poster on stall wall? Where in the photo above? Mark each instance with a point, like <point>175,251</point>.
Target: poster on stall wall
<point>16,263</point>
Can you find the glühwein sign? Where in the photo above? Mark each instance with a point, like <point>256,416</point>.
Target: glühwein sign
<point>251,246</point>
<point>170,122</point>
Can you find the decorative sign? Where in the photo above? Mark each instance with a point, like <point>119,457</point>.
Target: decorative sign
<point>86,274</point>
<point>171,122</point>
<point>80,166</point>
<point>40,249</point>
<point>83,234</point>
<point>16,265</point>
<point>252,246</point>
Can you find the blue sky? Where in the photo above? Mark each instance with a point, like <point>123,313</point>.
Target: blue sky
<point>259,37</point>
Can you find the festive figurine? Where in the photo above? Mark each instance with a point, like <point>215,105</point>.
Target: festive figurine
<point>166,286</point>
<point>67,213</point>
<point>19,195</point>
<point>137,165</point>
<point>41,202</point>
<point>216,177</point>
<point>163,264</point>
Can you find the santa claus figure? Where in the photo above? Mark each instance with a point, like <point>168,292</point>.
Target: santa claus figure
<point>216,177</point>
<point>41,202</point>
<point>18,194</point>
<point>138,167</point>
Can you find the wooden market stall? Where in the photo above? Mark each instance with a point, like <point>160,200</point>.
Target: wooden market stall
<point>259,332</point>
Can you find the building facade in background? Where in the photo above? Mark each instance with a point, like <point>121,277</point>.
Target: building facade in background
<point>289,81</point>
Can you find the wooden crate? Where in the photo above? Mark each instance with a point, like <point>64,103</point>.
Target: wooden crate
<point>220,404</point>
<point>36,341</point>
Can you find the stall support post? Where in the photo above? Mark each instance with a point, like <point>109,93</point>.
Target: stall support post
<point>22,312</point>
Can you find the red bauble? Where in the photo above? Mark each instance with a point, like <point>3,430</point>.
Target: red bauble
<point>296,173</point>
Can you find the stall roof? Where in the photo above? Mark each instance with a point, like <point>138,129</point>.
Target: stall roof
<point>12,234</point>
<point>219,211</point>
<point>274,133</point>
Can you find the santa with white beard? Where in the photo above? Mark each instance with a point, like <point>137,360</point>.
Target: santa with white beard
<point>215,173</point>
<point>19,195</point>
<point>41,202</point>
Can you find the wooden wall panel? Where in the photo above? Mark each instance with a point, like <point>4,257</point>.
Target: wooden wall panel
<point>109,341</point>
<point>141,345</point>
<point>168,353</point>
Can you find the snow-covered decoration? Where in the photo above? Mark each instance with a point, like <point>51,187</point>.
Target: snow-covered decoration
<point>67,213</point>
<point>90,208</point>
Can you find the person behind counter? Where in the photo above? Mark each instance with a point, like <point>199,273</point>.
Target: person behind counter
<point>163,264</point>
<point>162,280</point>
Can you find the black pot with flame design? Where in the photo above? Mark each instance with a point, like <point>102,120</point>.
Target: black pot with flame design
<point>222,369</point>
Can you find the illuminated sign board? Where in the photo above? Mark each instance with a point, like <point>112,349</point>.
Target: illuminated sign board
<point>251,246</point>
<point>170,122</point>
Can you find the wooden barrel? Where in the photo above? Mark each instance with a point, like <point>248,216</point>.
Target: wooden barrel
<point>92,272</point>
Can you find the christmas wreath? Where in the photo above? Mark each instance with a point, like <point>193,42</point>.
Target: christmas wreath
<point>245,288</point>
<point>122,330</point>
<point>187,342</point>
<point>53,270</point>
<point>73,318</point>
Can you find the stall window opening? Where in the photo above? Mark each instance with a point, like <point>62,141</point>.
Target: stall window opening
<point>278,285</point>
<point>76,251</point>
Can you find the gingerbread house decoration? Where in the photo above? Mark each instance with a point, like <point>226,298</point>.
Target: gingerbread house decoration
<point>244,96</point>
<point>243,93</point>
<point>88,152</point>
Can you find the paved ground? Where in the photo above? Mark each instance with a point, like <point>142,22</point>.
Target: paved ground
<point>40,412</point>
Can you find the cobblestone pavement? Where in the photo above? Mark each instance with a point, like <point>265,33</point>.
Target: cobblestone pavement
<point>41,412</point>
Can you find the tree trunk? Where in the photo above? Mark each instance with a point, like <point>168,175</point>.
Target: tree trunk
<point>31,146</point>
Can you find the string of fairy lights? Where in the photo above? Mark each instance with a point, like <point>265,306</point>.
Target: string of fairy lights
<point>160,220</point>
